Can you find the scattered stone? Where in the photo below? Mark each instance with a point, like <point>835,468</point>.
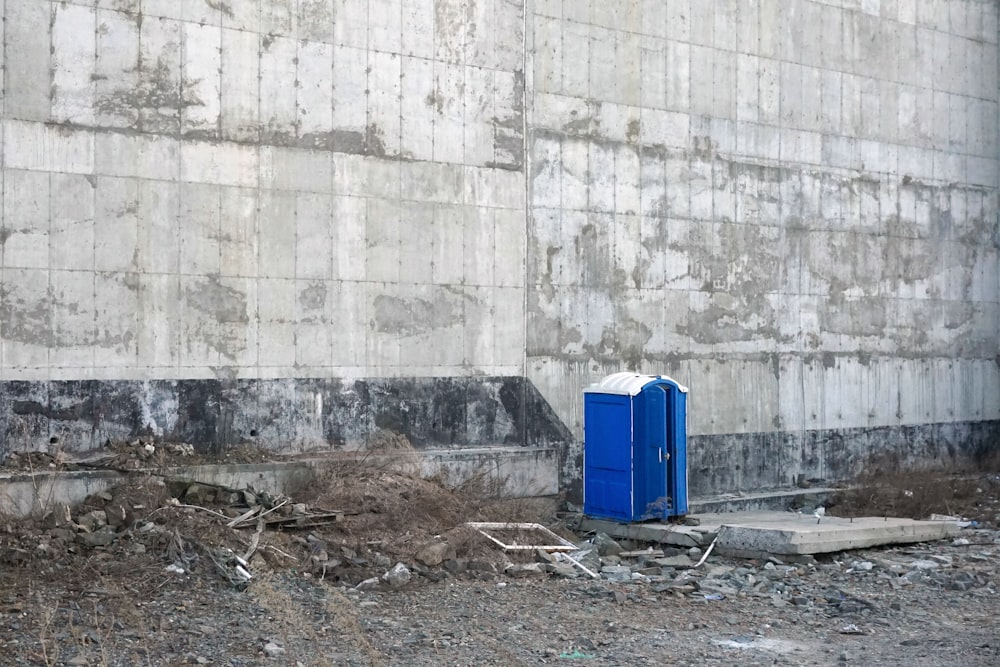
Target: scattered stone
<point>617,573</point>
<point>606,546</point>
<point>433,554</point>
<point>678,562</point>
<point>117,516</point>
<point>524,570</point>
<point>272,650</point>
<point>694,553</point>
<point>642,553</point>
<point>563,570</point>
<point>367,584</point>
<point>923,564</point>
<point>398,576</point>
<point>476,565</point>
<point>92,520</point>
<point>101,538</point>
<point>199,494</point>
<point>456,565</point>
<point>543,556</point>
<point>716,586</point>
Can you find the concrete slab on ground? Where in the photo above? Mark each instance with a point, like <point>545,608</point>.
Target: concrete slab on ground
<point>751,534</point>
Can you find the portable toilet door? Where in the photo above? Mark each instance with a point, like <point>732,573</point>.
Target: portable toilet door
<point>635,448</point>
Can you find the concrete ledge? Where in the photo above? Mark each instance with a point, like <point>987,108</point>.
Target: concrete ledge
<point>506,471</point>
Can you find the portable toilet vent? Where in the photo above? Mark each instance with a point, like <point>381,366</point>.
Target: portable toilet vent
<point>635,448</point>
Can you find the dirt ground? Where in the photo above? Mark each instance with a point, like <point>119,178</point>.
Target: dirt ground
<point>149,574</point>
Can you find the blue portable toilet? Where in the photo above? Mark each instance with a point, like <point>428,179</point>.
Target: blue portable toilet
<point>635,448</point>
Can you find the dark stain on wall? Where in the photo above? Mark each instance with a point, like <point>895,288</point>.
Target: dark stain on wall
<point>283,415</point>
<point>755,461</point>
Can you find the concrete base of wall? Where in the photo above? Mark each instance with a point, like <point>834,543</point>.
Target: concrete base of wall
<point>507,471</point>
<point>776,500</point>
<point>749,462</point>
<point>287,416</point>
<point>745,463</point>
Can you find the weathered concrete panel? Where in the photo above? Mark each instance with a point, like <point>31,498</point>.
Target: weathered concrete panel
<point>820,264</point>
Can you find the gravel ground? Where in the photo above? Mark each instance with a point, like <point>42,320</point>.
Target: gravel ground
<point>932,604</point>
<point>155,586</point>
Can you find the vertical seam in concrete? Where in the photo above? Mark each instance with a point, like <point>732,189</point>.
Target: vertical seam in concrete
<point>91,342</point>
<point>258,148</point>
<point>528,101</point>
<point>3,169</point>
<point>222,361</point>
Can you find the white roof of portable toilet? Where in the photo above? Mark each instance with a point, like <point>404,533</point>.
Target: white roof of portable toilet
<point>628,384</point>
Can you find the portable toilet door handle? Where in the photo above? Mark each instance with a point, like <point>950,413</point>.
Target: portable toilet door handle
<point>659,451</point>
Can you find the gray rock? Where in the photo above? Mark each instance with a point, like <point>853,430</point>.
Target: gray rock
<point>924,565</point>
<point>117,515</point>
<point>606,546</point>
<point>694,553</point>
<point>563,570</point>
<point>716,586</point>
<point>456,565</point>
<point>524,570</point>
<point>93,520</point>
<point>617,573</point>
<point>543,556</point>
<point>101,538</point>
<point>482,566</point>
<point>199,494</point>
<point>367,584</point>
<point>678,562</point>
<point>433,554</point>
<point>398,576</point>
<point>272,650</point>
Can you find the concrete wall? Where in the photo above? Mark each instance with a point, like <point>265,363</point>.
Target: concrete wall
<point>789,205</point>
<point>262,189</point>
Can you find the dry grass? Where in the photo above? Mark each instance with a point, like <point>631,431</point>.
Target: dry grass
<point>889,487</point>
